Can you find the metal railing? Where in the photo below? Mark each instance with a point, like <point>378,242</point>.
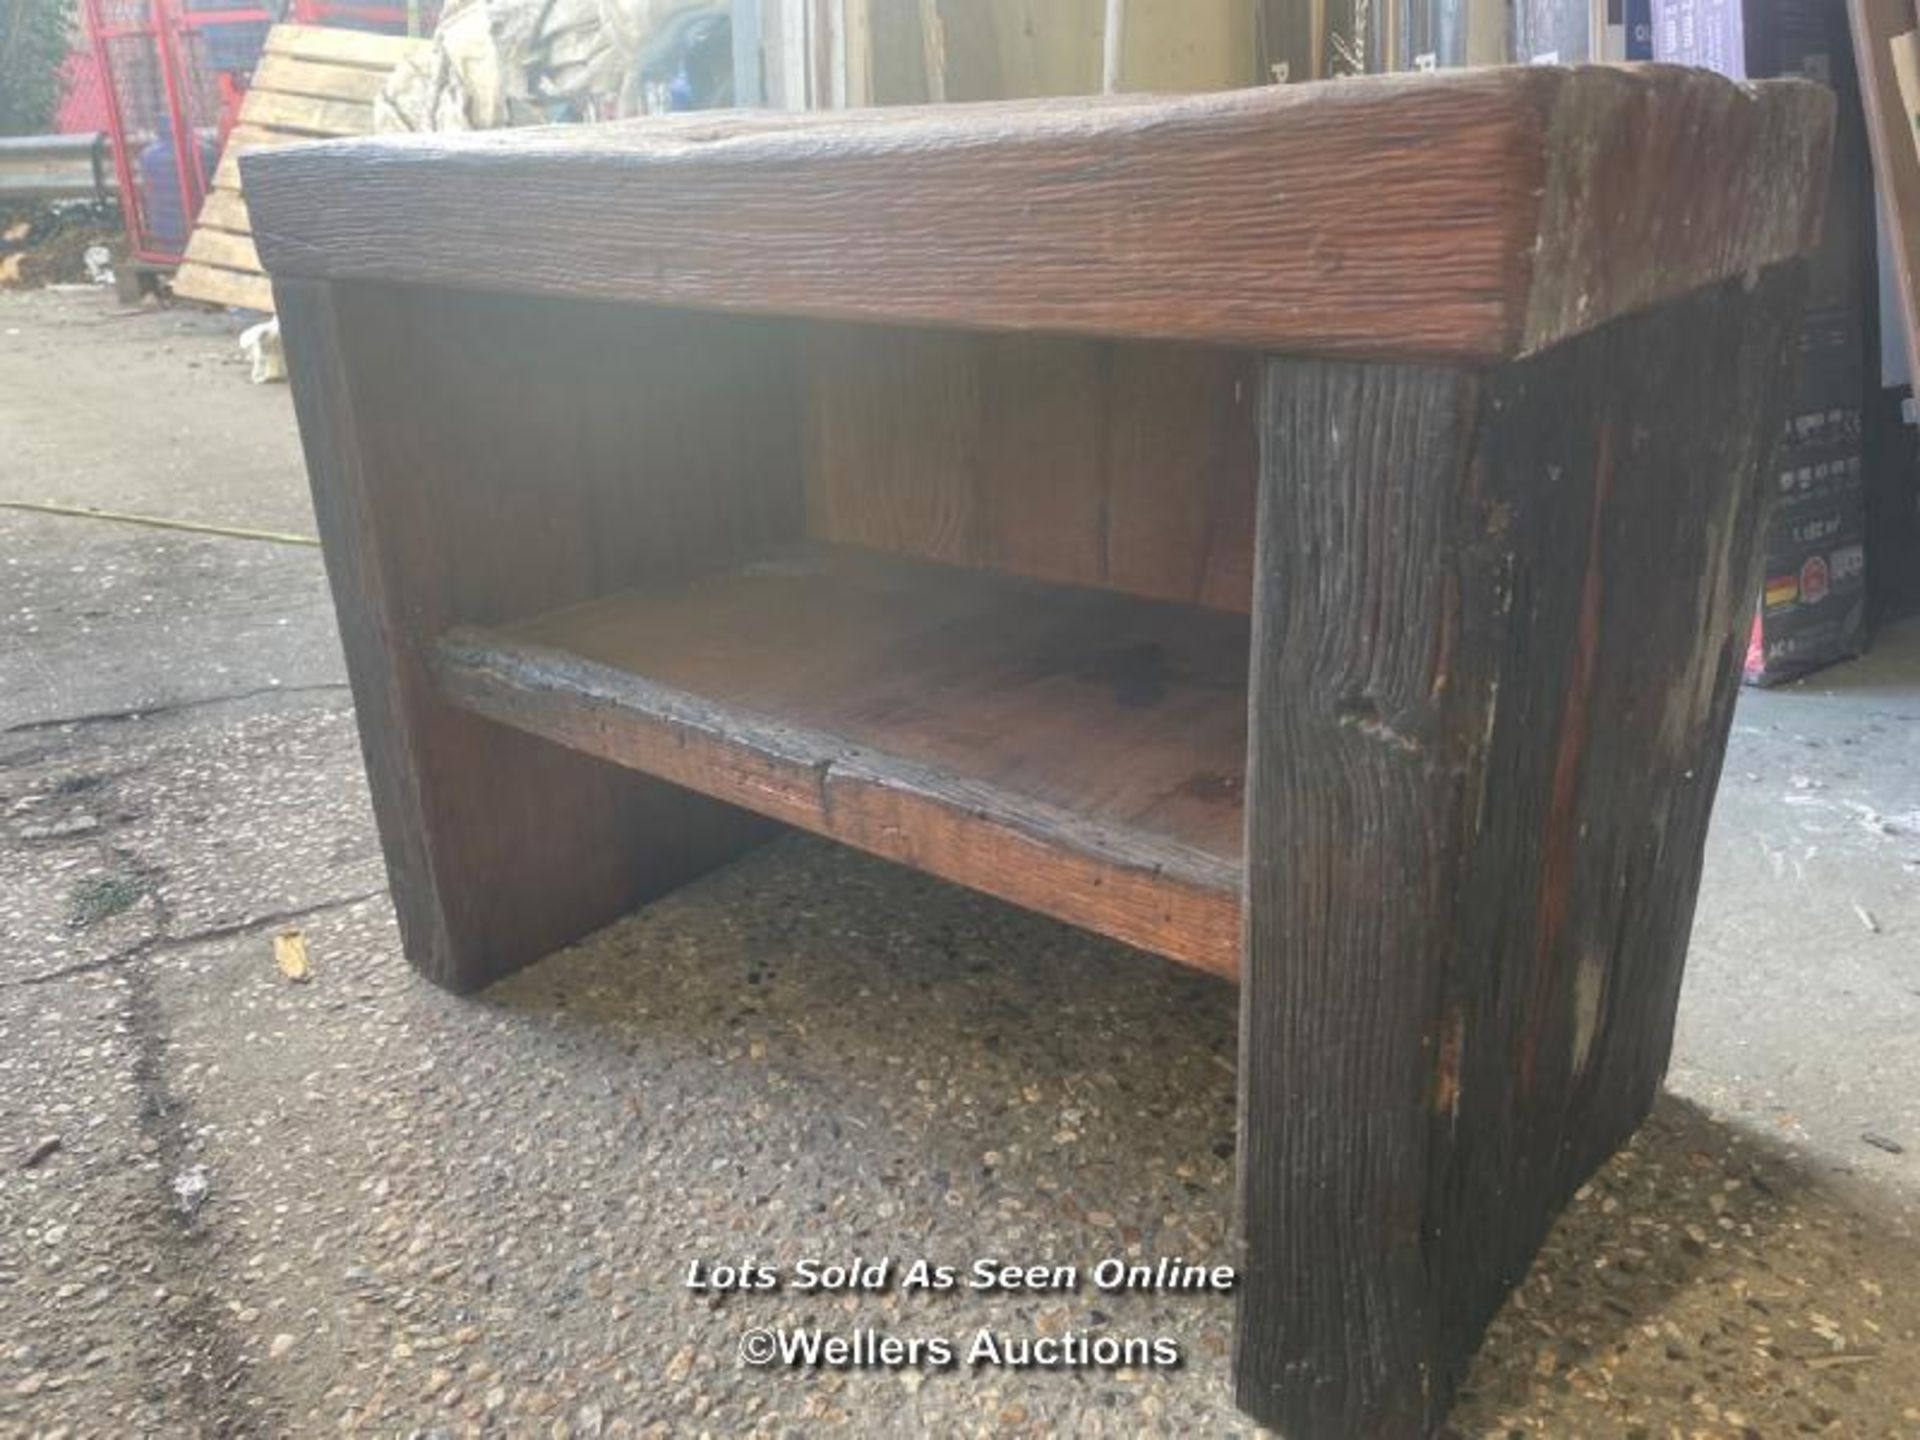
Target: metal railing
<point>56,167</point>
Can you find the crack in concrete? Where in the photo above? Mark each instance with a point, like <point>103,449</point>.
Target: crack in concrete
<point>214,1365</point>
<point>200,1370</point>
<point>162,943</point>
<point>147,712</point>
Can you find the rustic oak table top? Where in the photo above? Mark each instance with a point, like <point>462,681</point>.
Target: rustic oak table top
<point>1472,214</point>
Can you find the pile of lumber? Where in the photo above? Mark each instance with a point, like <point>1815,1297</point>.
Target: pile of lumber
<point>312,83</point>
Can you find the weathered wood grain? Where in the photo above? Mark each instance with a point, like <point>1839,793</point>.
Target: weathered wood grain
<point>287,75</point>
<point>209,246</point>
<point>1076,752</point>
<point>1497,631</point>
<point>215,285</point>
<point>310,114</point>
<point>242,138</point>
<point>225,210</point>
<point>473,459</point>
<point>1128,466</point>
<point>1471,214</point>
<point>336,46</point>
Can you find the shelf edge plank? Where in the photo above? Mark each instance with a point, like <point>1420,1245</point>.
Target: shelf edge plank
<point>1469,215</point>
<point>1156,894</point>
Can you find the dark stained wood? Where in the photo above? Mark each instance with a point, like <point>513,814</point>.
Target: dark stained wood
<point>893,439</point>
<point>1074,751</point>
<point>1497,603</point>
<point>1128,466</point>
<point>1182,475</point>
<point>1497,632</point>
<point>473,459</point>
<point>1471,214</point>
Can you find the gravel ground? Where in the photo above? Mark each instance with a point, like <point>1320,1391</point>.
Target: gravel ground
<point>232,1203</point>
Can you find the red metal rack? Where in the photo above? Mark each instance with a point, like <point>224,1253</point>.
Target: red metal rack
<point>174,72</point>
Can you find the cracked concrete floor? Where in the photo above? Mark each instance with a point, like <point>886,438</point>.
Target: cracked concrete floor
<point>232,1205</point>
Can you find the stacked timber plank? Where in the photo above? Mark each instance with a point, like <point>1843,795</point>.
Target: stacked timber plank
<point>311,83</point>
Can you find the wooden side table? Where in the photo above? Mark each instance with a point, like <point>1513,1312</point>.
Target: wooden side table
<point>1308,533</point>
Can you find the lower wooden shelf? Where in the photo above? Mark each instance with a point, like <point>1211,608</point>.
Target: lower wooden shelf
<point>1075,751</point>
